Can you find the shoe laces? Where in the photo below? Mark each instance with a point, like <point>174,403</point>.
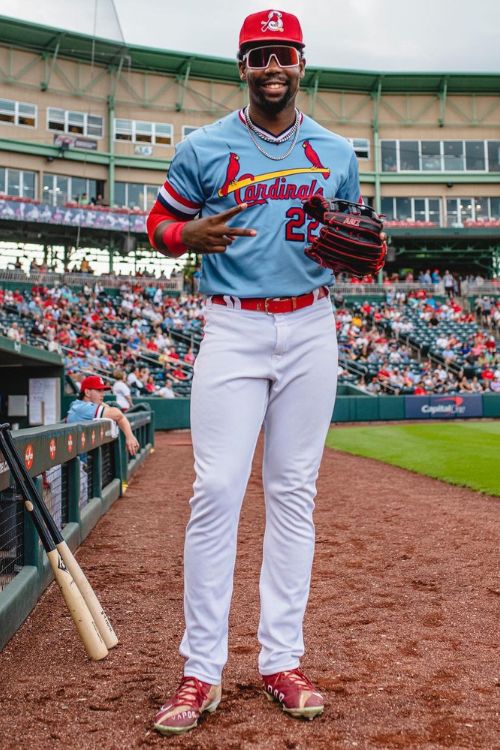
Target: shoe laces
<point>299,679</point>
<point>191,692</point>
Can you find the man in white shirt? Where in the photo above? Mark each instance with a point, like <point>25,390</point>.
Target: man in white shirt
<point>134,381</point>
<point>166,390</point>
<point>121,391</point>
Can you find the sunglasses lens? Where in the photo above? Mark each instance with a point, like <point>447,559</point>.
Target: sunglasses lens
<point>259,57</point>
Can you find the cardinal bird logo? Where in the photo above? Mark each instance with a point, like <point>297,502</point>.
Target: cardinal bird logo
<point>311,155</point>
<point>252,188</point>
<point>274,21</point>
<point>233,168</point>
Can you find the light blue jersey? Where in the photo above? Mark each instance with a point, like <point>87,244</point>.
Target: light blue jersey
<point>219,166</point>
<point>84,411</point>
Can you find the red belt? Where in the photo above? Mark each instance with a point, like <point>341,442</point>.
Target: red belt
<point>273,304</point>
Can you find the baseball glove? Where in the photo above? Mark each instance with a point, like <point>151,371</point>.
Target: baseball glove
<point>349,239</point>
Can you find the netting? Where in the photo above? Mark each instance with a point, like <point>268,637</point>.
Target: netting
<point>108,463</point>
<point>11,535</point>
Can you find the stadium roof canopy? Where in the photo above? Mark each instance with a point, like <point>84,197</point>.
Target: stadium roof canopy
<point>71,45</point>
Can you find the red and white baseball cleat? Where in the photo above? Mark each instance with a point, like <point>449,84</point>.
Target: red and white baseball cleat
<point>295,692</point>
<point>182,712</point>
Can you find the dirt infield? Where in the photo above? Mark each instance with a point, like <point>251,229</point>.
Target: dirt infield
<point>401,630</point>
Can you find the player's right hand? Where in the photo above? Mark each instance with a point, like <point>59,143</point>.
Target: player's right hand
<point>212,234</point>
<point>132,445</point>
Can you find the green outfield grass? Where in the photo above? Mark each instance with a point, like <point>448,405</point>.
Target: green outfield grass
<point>464,453</point>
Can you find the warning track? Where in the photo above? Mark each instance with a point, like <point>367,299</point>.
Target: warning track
<point>401,629</point>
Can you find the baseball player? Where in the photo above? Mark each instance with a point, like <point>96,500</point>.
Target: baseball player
<point>268,359</point>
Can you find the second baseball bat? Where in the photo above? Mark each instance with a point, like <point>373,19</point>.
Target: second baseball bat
<point>31,492</point>
<point>80,613</point>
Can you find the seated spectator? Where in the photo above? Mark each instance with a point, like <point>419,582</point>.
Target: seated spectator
<point>166,391</point>
<point>150,386</point>
<point>89,405</point>
<point>134,381</point>
<point>487,373</point>
<point>189,356</point>
<point>121,391</point>
<point>495,384</point>
<point>374,386</point>
<point>14,333</point>
<point>475,385</point>
<point>179,374</point>
<point>38,327</point>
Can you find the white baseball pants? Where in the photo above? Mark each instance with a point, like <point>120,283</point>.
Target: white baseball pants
<point>253,370</point>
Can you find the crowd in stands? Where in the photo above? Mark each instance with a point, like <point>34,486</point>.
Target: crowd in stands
<point>146,340</point>
<point>187,277</point>
<point>453,284</point>
<point>140,332</point>
<point>414,344</point>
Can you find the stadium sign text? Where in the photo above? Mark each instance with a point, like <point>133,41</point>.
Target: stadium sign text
<point>443,407</point>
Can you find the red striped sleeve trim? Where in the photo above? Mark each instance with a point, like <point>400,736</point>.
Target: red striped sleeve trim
<point>172,192</point>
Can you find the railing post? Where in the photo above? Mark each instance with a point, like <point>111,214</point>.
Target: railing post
<point>31,541</point>
<point>74,490</point>
<point>97,472</point>
<point>124,458</point>
<point>151,429</point>
<point>119,468</point>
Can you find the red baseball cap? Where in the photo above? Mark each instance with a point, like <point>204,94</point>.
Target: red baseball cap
<point>271,26</point>
<point>94,382</point>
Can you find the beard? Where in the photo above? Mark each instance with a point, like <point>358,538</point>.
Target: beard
<point>273,106</point>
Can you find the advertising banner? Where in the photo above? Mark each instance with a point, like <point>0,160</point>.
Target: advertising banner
<point>72,216</point>
<point>458,406</point>
<point>72,141</point>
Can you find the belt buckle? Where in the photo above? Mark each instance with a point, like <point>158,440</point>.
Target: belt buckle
<point>268,300</point>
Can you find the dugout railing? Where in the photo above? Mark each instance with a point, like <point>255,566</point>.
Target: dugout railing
<point>80,469</point>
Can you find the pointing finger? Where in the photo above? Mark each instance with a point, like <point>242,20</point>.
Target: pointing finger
<point>230,212</point>
<point>240,232</point>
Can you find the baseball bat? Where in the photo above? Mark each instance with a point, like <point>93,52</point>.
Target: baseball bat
<point>80,612</point>
<point>100,618</point>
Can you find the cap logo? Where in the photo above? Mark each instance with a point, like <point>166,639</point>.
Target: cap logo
<point>274,22</point>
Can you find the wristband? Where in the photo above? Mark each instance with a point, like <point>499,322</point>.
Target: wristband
<point>171,238</point>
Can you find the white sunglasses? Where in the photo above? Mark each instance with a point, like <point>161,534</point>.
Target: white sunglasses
<point>259,58</point>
